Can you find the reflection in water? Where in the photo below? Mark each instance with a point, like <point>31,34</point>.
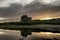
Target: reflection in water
<point>49,33</point>
<point>16,35</point>
<point>9,35</point>
<point>46,35</point>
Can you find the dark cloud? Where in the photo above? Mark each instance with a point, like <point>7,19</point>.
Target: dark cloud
<point>11,11</point>
<point>40,6</point>
<point>37,9</point>
<point>1,0</point>
<point>33,9</point>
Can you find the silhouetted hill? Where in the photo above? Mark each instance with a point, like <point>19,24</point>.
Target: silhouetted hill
<point>55,21</point>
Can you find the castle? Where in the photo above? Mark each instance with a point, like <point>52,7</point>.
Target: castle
<point>25,18</point>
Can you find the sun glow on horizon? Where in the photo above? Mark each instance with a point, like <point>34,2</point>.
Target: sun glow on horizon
<point>2,32</point>
<point>2,18</point>
<point>46,18</point>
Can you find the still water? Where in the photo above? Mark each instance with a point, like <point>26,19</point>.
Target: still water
<point>16,35</point>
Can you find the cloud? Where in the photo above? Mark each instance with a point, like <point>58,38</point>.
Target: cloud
<point>1,0</point>
<point>50,2</point>
<point>36,9</point>
<point>2,18</point>
<point>38,6</point>
<point>11,10</point>
<point>40,10</point>
<point>7,3</point>
<point>56,3</point>
<point>46,1</point>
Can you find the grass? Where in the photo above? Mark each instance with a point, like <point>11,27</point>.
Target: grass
<point>18,27</point>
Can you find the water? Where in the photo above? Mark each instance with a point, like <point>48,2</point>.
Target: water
<point>9,35</point>
<point>16,35</point>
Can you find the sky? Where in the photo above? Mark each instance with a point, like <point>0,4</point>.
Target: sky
<point>12,10</point>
